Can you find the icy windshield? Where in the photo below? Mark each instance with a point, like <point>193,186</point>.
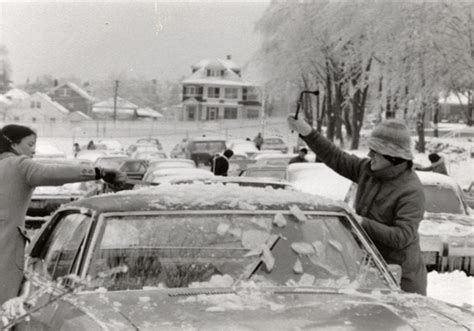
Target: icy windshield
<point>441,199</point>
<point>277,249</point>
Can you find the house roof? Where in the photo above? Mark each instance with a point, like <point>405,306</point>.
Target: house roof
<point>4,100</point>
<point>80,114</point>
<point>46,98</point>
<point>76,89</point>
<point>148,112</point>
<point>16,93</point>
<point>230,78</point>
<point>108,105</point>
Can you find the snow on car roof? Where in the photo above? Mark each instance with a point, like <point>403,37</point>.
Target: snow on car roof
<point>204,196</point>
<point>436,179</point>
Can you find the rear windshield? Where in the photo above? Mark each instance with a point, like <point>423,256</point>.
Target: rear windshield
<point>208,146</point>
<point>442,200</point>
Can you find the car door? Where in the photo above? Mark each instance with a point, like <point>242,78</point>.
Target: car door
<point>59,250</point>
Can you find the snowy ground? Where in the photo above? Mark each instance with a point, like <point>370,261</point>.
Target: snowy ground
<point>455,287</point>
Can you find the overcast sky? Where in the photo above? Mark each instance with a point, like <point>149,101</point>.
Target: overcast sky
<point>147,39</point>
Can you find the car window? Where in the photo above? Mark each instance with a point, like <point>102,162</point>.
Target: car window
<point>208,146</point>
<point>182,250</point>
<point>441,199</point>
<point>63,244</point>
<point>133,167</point>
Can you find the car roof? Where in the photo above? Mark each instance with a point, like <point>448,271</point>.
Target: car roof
<point>201,196</point>
<point>205,139</point>
<point>436,179</point>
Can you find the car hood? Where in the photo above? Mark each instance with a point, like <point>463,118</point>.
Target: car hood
<point>251,309</point>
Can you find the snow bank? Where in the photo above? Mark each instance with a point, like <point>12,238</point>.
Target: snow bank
<point>454,287</point>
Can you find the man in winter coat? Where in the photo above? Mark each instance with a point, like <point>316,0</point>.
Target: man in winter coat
<point>220,163</point>
<point>300,157</point>
<point>389,196</point>
<point>19,176</point>
<point>258,141</point>
<point>437,164</point>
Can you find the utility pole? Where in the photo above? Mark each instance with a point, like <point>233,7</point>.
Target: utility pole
<point>115,100</point>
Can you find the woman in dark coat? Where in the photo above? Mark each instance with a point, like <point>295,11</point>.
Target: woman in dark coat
<point>220,163</point>
<point>19,175</point>
<point>389,196</point>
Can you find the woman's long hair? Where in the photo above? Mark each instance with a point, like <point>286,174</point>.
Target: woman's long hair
<point>13,134</point>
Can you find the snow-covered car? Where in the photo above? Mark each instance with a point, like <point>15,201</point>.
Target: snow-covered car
<point>170,163</point>
<point>318,178</point>
<point>46,199</point>
<point>227,180</point>
<point>202,149</point>
<point>111,145</point>
<point>134,168</point>
<point>238,163</point>
<point>46,150</point>
<point>217,257</point>
<point>156,175</point>
<point>154,141</point>
<point>279,159</point>
<point>277,172</point>
<point>142,147</point>
<point>91,154</point>
<point>149,155</point>
<point>274,143</point>
<point>446,233</point>
<point>239,146</point>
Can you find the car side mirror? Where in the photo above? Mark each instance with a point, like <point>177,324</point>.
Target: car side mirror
<point>396,271</point>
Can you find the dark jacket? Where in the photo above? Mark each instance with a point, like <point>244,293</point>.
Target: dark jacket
<point>297,159</point>
<point>19,175</point>
<point>391,202</point>
<point>220,165</point>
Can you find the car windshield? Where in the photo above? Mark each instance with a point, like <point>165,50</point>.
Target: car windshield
<point>278,174</point>
<point>184,250</point>
<point>208,146</point>
<point>441,199</point>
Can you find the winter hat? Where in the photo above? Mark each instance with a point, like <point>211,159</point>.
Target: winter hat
<point>228,153</point>
<point>433,157</point>
<point>392,138</point>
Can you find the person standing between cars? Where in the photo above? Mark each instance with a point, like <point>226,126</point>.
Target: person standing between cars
<point>389,198</point>
<point>19,175</point>
<point>300,157</point>
<point>76,149</point>
<point>220,163</point>
<point>437,164</point>
<point>91,145</point>
<point>258,141</point>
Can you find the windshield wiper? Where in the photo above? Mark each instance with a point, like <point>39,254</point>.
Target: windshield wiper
<point>270,244</point>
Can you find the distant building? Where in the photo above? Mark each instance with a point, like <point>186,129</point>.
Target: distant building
<point>216,90</point>
<point>72,97</point>
<point>124,110</point>
<point>40,108</point>
<point>453,107</point>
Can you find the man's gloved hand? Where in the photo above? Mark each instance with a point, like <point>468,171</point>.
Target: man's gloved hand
<point>299,125</point>
<point>111,176</point>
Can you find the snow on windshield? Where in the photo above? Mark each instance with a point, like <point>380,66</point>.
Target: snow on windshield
<point>191,250</point>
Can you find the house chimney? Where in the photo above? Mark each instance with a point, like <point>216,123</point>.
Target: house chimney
<point>229,57</point>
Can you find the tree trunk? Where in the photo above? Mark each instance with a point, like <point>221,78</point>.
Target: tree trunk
<point>338,100</point>
<point>435,118</point>
<point>331,118</point>
<point>420,129</point>
<point>470,108</point>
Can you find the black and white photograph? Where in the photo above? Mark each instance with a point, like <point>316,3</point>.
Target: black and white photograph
<point>237,165</point>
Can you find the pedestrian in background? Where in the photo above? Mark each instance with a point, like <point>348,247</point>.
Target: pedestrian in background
<point>19,176</point>
<point>220,163</point>
<point>301,157</point>
<point>91,145</point>
<point>258,141</point>
<point>76,149</point>
<point>437,164</point>
<point>389,198</point>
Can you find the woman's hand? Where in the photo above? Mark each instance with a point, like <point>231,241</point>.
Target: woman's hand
<point>299,125</point>
<point>14,307</point>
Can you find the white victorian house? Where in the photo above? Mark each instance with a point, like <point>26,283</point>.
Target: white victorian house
<point>216,91</point>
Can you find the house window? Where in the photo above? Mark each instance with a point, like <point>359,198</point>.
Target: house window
<point>215,73</point>
<point>52,119</point>
<point>38,104</point>
<point>33,119</point>
<point>65,92</point>
<point>213,92</point>
<point>231,93</point>
<point>253,113</point>
<point>212,113</point>
<point>191,112</point>
<point>222,72</point>
<point>32,104</point>
<point>230,113</point>
<point>190,90</point>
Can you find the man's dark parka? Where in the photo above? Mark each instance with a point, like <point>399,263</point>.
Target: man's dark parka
<point>391,202</point>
